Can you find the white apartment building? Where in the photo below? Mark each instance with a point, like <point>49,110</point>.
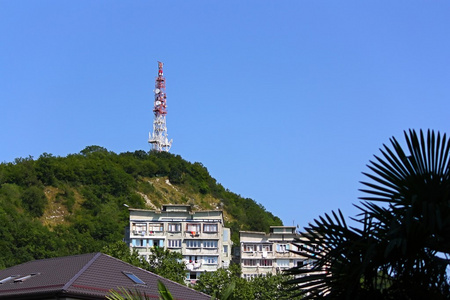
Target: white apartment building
<point>200,236</point>
<point>263,253</point>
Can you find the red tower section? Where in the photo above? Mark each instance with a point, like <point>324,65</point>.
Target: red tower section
<point>160,93</point>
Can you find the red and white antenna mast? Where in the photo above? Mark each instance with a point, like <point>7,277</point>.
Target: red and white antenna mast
<point>158,139</point>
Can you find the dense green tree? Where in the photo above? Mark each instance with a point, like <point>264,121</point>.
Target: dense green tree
<point>168,264</point>
<point>214,283</point>
<point>401,247</point>
<point>34,200</point>
<point>268,287</point>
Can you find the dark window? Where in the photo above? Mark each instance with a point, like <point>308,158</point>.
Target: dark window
<point>134,278</point>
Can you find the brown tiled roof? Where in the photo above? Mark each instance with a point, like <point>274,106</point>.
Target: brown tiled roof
<point>86,276</point>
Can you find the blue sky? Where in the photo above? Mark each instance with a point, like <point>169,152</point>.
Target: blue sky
<point>284,102</point>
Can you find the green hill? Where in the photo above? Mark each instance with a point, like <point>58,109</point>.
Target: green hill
<point>55,206</point>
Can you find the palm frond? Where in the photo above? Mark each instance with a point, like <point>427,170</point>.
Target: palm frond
<point>404,233</point>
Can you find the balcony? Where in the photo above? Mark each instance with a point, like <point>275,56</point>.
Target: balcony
<point>174,234</point>
<point>285,255</point>
<point>258,254</point>
<point>250,269</point>
<point>193,251</point>
<point>191,234</point>
<point>191,266</point>
<point>265,268</point>
<point>210,235</point>
<point>139,232</point>
<point>210,250</point>
<point>142,250</point>
<point>156,233</point>
<point>209,267</point>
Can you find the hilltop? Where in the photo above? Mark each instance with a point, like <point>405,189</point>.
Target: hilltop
<point>55,206</point>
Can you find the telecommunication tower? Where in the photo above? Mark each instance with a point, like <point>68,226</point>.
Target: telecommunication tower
<point>158,139</point>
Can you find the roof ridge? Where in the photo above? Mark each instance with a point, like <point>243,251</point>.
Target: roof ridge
<point>85,267</point>
<point>46,259</point>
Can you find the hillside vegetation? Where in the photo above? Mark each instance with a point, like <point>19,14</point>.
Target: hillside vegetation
<point>56,206</point>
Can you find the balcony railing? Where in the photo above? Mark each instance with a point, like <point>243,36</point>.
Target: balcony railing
<point>207,234</point>
<point>258,254</point>
<point>139,232</point>
<point>191,234</point>
<point>156,233</point>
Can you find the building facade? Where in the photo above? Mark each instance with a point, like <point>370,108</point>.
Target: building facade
<point>200,236</point>
<point>263,253</point>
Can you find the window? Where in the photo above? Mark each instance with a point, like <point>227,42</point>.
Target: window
<point>192,259</point>
<point>174,243</point>
<point>156,243</point>
<point>174,227</point>
<point>282,248</point>
<point>134,278</point>
<point>139,228</point>
<point>225,248</point>
<point>209,244</point>
<point>267,247</point>
<point>265,263</point>
<point>193,228</point>
<point>249,248</point>
<point>283,263</point>
<point>209,227</point>
<point>192,244</point>
<point>156,227</point>
<point>301,263</point>
<point>210,260</point>
<point>249,276</point>
<point>250,262</point>
<point>139,242</point>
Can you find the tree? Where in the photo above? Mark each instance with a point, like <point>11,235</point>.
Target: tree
<point>228,284</point>
<point>401,247</point>
<point>121,251</point>
<point>215,283</point>
<point>271,286</point>
<point>168,264</point>
<point>33,199</point>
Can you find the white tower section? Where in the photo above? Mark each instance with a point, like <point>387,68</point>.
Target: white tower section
<point>158,139</point>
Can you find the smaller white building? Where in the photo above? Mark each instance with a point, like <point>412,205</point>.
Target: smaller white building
<point>200,236</point>
<point>263,253</point>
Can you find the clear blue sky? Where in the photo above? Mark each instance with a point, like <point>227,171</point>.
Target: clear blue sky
<point>284,102</point>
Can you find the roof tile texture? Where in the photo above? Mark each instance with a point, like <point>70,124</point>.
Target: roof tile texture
<point>86,276</point>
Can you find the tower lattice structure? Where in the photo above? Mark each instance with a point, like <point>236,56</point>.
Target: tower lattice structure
<point>158,139</point>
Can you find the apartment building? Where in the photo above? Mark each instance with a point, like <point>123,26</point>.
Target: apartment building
<point>263,253</point>
<point>200,236</point>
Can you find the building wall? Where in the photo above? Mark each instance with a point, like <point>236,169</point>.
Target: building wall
<point>263,253</point>
<point>199,236</point>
